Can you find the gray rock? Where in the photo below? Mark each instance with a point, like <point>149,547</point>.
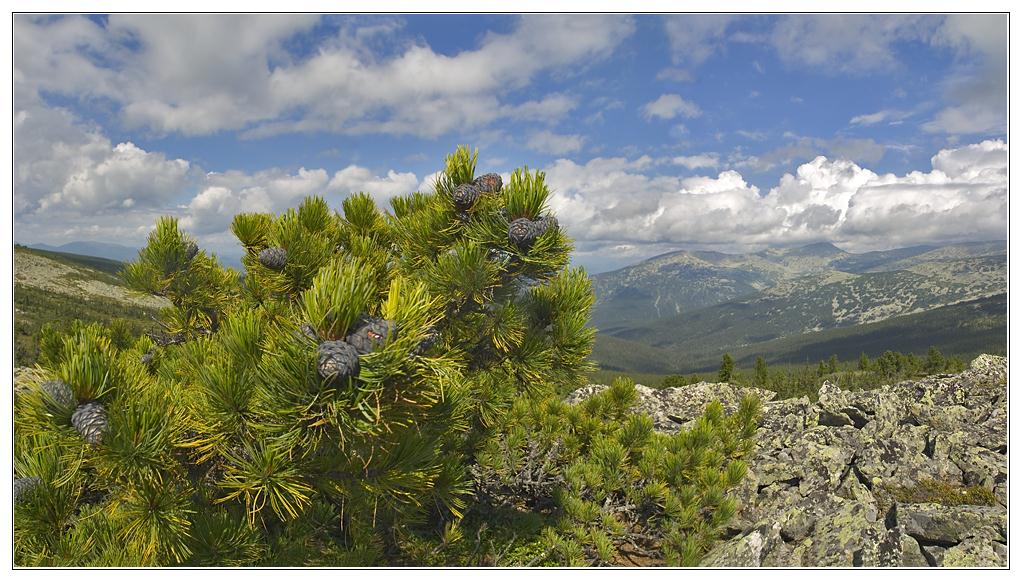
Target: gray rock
<point>820,487</point>
<point>948,525</point>
<point>748,550</point>
<point>912,554</point>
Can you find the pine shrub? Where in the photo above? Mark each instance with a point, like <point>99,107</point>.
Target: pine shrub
<point>345,400</point>
<point>220,440</point>
<point>615,486</point>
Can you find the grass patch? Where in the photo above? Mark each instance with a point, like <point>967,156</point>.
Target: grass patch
<point>944,493</point>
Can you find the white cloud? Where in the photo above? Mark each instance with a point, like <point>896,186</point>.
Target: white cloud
<point>885,115</point>
<point>62,166</point>
<point>226,194</point>
<point>613,208</point>
<point>669,106</point>
<point>547,142</point>
<point>847,43</point>
<point>697,161</point>
<point>382,188</point>
<point>158,69</point>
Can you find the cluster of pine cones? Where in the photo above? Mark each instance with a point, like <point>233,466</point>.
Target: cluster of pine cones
<point>522,232</point>
<point>338,360</point>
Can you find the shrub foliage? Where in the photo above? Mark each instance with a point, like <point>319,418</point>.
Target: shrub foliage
<point>244,433</point>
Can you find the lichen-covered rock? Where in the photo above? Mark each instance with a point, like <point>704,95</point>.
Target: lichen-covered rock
<point>747,550</point>
<point>672,408</point>
<point>979,548</point>
<point>822,481</point>
<point>948,525</point>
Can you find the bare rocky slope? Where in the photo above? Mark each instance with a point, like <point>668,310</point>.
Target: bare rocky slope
<point>829,482</point>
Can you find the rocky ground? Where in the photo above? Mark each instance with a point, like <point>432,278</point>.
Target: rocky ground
<point>44,273</point>
<point>911,475</point>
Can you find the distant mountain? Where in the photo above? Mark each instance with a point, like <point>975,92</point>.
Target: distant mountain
<point>684,281</point>
<point>967,328</point>
<point>93,249</point>
<point>118,252</point>
<point>685,309</point>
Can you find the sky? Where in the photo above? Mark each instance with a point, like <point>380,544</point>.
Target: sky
<point>656,132</point>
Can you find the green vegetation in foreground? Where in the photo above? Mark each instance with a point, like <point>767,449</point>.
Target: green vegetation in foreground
<point>378,390</point>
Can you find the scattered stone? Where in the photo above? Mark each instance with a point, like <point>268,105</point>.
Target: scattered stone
<point>825,478</point>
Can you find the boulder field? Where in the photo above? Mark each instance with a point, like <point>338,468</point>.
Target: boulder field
<point>909,475</point>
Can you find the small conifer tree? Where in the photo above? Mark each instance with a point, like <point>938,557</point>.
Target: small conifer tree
<point>727,366</point>
<point>315,408</point>
<point>760,372</point>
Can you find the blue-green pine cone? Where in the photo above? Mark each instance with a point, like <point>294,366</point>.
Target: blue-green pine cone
<point>273,258</point>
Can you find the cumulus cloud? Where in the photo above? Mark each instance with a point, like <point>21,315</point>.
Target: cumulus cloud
<point>226,194</point>
<point>669,106</point>
<point>71,181</point>
<point>547,142</point>
<point>383,188</point>
<point>62,166</point>
<point>611,206</point>
<point>159,71</point>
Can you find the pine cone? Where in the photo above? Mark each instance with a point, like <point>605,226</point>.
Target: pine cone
<point>523,232</point>
<point>338,360</point>
<point>60,393</point>
<point>273,258</point>
<point>431,339</point>
<point>24,486</point>
<point>465,196</point>
<point>147,358</point>
<point>548,223</point>
<point>191,250</point>
<point>490,182</point>
<point>90,419</point>
<point>371,334</point>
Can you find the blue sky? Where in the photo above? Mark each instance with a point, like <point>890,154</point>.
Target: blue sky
<point>657,132</point>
